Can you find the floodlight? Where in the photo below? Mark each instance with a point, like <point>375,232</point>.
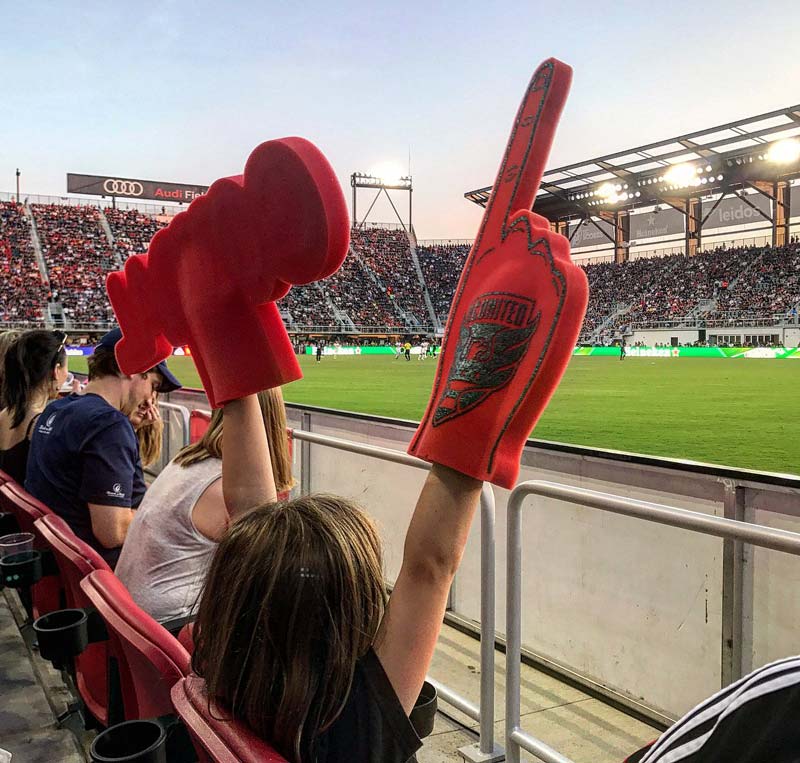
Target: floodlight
<point>389,173</point>
<point>606,191</point>
<point>784,151</point>
<point>679,174</point>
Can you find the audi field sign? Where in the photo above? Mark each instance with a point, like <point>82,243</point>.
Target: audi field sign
<point>151,190</point>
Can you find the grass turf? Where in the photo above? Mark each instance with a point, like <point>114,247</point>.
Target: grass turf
<point>732,412</point>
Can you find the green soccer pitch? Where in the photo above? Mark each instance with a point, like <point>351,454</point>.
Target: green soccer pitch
<point>741,412</point>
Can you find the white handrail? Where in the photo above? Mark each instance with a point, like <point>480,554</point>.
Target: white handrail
<point>758,535</point>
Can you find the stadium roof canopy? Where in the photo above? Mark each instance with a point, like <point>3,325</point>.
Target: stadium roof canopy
<point>755,153</point>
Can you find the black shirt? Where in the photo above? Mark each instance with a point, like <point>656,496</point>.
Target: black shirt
<point>754,720</point>
<point>84,451</point>
<point>373,727</point>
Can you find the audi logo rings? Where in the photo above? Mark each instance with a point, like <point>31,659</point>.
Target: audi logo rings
<point>126,187</point>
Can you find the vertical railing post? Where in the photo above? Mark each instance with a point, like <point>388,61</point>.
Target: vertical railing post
<point>513,619</point>
<point>305,455</point>
<point>486,751</point>
<point>737,593</point>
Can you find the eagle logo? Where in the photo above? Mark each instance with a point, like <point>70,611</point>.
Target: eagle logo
<point>492,341</point>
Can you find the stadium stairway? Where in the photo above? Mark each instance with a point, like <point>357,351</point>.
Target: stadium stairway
<point>432,317</point>
<point>32,695</point>
<point>37,244</point>
<point>112,242</point>
<point>577,725</point>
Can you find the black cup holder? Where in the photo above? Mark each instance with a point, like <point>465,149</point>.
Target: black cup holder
<point>21,570</point>
<point>62,634</point>
<point>131,742</point>
<point>423,713</point>
<point>8,523</point>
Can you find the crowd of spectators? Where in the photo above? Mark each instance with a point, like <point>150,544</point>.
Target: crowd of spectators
<point>738,283</point>
<point>770,286</point>
<point>752,282</point>
<point>307,307</point>
<point>441,267</point>
<point>356,294</point>
<point>132,230</point>
<point>78,257</point>
<point>387,253</point>
<point>22,290</point>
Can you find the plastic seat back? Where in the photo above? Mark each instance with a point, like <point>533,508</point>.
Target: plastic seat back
<point>198,424</point>
<point>75,560</point>
<point>150,658</point>
<point>46,594</point>
<point>217,740</point>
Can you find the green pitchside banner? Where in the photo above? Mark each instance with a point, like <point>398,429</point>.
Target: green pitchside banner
<point>693,352</point>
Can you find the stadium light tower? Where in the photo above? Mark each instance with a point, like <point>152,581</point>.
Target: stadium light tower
<point>383,185</point>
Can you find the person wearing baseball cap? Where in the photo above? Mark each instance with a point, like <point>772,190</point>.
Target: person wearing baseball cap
<point>84,458</point>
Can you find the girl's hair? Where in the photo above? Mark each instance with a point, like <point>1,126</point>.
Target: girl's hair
<point>292,600</point>
<point>27,366</point>
<point>7,338</point>
<point>274,415</point>
<point>150,440</point>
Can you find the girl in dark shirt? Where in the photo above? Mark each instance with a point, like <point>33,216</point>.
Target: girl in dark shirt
<point>34,368</point>
<point>294,633</point>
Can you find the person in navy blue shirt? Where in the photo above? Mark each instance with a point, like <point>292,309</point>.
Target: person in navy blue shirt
<point>84,457</point>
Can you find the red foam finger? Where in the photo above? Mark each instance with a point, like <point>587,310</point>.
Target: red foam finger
<point>208,275</point>
<point>528,148</point>
<point>516,314</point>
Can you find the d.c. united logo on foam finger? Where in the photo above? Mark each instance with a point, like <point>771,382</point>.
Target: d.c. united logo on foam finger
<point>493,339</point>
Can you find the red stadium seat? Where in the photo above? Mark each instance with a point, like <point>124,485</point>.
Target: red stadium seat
<point>198,424</point>
<point>75,560</point>
<point>150,659</point>
<point>46,594</point>
<point>217,740</point>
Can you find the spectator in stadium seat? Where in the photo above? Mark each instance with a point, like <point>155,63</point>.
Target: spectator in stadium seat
<point>34,368</point>
<point>754,720</point>
<point>149,428</point>
<point>294,635</point>
<point>84,459</point>
<point>184,515</point>
<point>7,338</point>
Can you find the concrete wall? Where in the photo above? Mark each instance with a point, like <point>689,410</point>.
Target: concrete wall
<point>664,336</point>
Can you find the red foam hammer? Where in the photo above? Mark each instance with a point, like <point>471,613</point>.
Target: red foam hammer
<point>210,279</point>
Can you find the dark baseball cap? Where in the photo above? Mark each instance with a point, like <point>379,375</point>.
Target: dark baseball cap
<point>109,342</point>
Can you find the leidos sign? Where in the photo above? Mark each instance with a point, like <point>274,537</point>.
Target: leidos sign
<point>108,185</point>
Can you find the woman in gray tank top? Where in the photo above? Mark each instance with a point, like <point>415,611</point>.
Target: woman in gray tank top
<point>183,516</point>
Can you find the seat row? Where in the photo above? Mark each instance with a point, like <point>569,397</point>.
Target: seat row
<point>131,674</point>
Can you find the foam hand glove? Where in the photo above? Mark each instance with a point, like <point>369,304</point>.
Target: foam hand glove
<point>516,313</point>
<point>211,278</point>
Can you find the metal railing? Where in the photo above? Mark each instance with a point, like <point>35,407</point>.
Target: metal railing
<point>732,530</point>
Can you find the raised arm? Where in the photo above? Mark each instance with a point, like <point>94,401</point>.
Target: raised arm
<point>247,479</point>
<point>434,545</point>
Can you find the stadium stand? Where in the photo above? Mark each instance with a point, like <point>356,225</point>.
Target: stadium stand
<point>132,230</point>
<point>387,254</point>
<point>378,285</point>
<point>353,292</point>
<point>441,266</point>
<point>78,257</point>
<point>22,290</point>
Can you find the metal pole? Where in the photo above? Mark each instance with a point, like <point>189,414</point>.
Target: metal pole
<point>305,454</point>
<point>513,619</point>
<point>18,174</point>
<point>487,619</point>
